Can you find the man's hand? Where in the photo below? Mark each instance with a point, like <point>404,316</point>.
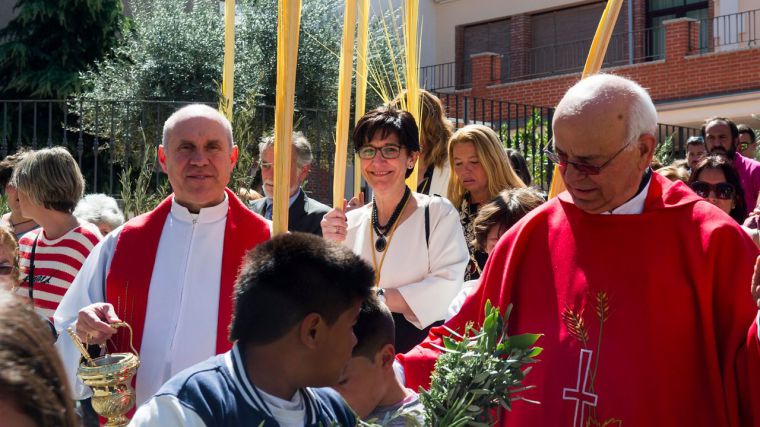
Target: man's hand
<point>756,283</point>
<point>92,323</point>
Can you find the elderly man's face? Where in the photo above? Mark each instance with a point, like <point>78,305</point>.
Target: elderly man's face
<point>198,160</point>
<point>594,137</point>
<point>297,175</point>
<point>718,139</point>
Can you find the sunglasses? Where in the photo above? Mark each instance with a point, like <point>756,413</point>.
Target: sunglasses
<point>369,152</point>
<point>723,190</point>
<point>6,270</point>
<point>584,168</point>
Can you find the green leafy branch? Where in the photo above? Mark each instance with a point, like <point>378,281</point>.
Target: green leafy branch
<point>479,373</point>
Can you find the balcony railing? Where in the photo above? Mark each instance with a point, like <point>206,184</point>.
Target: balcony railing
<point>728,32</point>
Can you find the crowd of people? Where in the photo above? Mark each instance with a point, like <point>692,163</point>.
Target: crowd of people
<point>343,318</point>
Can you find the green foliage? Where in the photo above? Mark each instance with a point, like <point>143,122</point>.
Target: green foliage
<point>479,372</point>
<point>664,152</point>
<point>530,139</point>
<point>138,193</point>
<point>175,52</point>
<point>44,49</point>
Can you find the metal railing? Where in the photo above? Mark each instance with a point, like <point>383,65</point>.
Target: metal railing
<point>624,49</point>
<point>527,129</point>
<point>106,136</point>
<point>727,32</point>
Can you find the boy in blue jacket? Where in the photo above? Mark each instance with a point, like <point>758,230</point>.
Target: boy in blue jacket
<point>297,299</point>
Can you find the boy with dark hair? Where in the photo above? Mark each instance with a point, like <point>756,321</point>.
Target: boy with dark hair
<point>297,299</point>
<point>369,383</point>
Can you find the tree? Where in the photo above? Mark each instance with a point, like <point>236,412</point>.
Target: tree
<point>44,49</point>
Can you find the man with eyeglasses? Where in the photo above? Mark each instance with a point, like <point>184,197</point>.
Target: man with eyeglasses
<point>747,141</point>
<point>722,137</point>
<point>638,286</point>
<point>304,213</point>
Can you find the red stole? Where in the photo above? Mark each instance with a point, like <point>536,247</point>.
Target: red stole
<point>128,279</point>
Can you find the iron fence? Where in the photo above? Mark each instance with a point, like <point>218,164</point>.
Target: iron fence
<point>727,32</point>
<point>107,136</point>
<point>527,129</point>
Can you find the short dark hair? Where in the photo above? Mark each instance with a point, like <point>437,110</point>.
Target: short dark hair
<point>508,207</point>
<point>374,329</point>
<point>720,162</point>
<point>291,276</point>
<point>8,164</point>
<point>386,120</point>
<point>748,130</point>
<point>695,140</point>
<point>731,125</point>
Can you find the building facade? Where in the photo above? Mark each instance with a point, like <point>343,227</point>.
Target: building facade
<point>698,58</point>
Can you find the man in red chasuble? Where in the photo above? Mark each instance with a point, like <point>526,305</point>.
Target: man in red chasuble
<point>169,273</point>
<point>639,287</point>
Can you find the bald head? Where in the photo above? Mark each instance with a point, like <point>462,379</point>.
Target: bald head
<point>594,95</point>
<point>196,111</point>
<point>604,130</point>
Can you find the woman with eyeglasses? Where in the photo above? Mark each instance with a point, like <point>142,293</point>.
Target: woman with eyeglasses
<point>414,242</point>
<point>481,170</point>
<point>715,179</point>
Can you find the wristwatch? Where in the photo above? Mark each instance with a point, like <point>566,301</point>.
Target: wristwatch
<point>381,295</point>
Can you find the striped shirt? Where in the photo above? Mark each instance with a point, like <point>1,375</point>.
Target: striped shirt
<point>56,263</point>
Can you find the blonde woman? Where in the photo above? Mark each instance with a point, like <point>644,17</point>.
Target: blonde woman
<point>433,169</point>
<point>49,186</point>
<point>481,170</point>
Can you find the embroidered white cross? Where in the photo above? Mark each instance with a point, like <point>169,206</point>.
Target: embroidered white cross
<point>579,394</point>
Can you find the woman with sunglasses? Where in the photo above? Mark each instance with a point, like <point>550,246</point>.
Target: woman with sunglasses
<point>414,242</point>
<point>481,170</point>
<point>716,180</point>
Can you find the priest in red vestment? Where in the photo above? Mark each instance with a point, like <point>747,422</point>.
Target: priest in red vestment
<point>169,273</point>
<point>639,287</point>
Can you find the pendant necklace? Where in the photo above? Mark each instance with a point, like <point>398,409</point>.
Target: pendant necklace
<point>383,230</point>
<point>381,242</point>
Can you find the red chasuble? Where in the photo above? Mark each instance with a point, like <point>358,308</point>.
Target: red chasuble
<point>128,279</point>
<point>647,319</point>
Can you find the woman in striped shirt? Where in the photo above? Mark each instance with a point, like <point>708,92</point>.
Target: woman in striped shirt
<point>49,186</point>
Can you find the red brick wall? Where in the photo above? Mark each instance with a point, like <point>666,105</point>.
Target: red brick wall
<point>680,75</point>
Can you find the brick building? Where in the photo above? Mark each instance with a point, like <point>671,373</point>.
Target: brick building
<point>697,58</point>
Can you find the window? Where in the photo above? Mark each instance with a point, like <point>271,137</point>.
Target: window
<point>561,39</point>
<point>659,11</point>
<point>485,37</point>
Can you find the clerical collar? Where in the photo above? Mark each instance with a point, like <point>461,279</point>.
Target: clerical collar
<point>206,215</point>
<point>635,205</point>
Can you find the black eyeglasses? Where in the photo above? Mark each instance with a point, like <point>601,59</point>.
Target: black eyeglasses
<point>6,270</point>
<point>723,190</point>
<point>583,168</point>
<point>369,152</point>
